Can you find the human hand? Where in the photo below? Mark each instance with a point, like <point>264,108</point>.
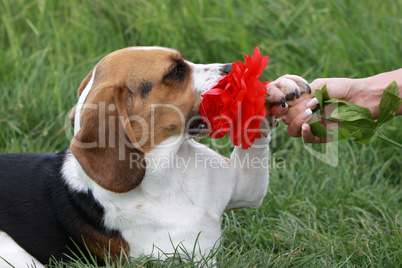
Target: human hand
<point>300,111</point>
<point>366,92</point>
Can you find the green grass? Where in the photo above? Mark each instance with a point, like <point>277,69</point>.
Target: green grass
<point>314,215</point>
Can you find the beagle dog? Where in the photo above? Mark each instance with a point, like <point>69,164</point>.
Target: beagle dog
<point>133,181</point>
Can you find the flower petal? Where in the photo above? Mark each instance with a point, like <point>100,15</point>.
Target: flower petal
<point>236,104</point>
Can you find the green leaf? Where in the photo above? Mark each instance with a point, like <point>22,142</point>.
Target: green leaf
<point>364,127</point>
<point>352,112</point>
<point>343,133</point>
<point>322,95</point>
<point>389,104</point>
<point>318,129</point>
<point>318,95</point>
<point>368,138</point>
<point>325,95</point>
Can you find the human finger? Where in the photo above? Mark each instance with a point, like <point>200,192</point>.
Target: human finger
<point>294,128</point>
<point>298,109</point>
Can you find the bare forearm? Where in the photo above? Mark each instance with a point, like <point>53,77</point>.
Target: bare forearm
<point>368,91</point>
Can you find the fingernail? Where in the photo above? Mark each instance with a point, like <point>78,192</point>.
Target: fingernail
<point>306,114</point>
<point>280,108</point>
<point>311,103</point>
<point>304,127</point>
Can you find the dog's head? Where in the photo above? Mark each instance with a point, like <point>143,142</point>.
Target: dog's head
<point>139,97</point>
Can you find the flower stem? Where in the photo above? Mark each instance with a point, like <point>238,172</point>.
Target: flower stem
<point>328,118</point>
<point>384,138</point>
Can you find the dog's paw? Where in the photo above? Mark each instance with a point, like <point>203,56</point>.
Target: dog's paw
<point>285,88</point>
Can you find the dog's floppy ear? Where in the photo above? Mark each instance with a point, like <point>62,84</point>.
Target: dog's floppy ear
<point>105,146</point>
<point>71,116</point>
<point>84,83</point>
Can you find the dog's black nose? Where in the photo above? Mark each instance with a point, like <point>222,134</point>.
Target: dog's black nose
<point>227,68</point>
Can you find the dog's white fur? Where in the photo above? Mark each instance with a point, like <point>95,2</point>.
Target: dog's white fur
<point>12,253</point>
<point>178,203</point>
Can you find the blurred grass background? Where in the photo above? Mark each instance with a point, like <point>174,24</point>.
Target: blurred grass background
<point>314,215</point>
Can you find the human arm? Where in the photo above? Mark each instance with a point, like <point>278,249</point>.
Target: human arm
<point>365,92</point>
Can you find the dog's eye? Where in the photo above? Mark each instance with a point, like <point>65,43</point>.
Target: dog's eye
<point>178,72</point>
<point>175,71</point>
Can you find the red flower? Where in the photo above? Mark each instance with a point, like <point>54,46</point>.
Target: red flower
<point>236,103</point>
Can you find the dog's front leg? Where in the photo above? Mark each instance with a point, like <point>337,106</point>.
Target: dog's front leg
<point>251,172</point>
<point>250,166</point>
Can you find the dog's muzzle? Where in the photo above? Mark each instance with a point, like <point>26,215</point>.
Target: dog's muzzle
<point>227,68</point>
<point>197,127</point>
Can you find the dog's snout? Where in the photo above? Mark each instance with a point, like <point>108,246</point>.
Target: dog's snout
<point>227,68</point>
<point>205,76</point>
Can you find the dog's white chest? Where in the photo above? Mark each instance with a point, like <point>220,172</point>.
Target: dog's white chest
<point>156,224</point>
<point>177,205</point>
<point>169,226</point>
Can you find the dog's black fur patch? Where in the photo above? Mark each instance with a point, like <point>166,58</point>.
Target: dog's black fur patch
<point>144,88</point>
<point>39,211</point>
